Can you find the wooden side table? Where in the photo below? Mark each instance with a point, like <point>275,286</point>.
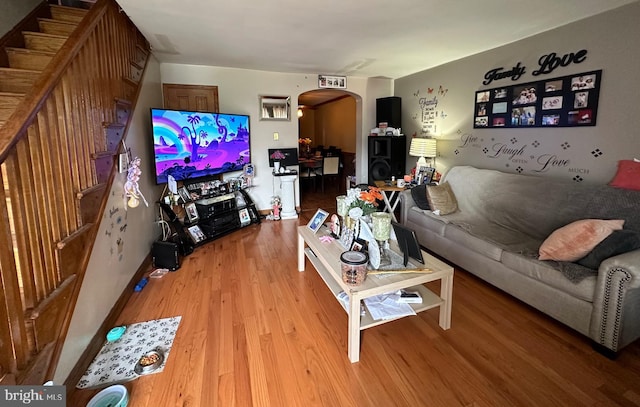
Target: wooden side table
<point>388,193</point>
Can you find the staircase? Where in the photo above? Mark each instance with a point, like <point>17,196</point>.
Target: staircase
<point>69,78</point>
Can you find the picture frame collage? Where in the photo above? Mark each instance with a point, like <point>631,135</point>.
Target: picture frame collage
<point>567,101</point>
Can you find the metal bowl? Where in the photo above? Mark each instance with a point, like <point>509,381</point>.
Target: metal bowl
<point>149,362</point>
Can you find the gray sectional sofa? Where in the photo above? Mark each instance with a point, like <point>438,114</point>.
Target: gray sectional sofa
<point>495,234</point>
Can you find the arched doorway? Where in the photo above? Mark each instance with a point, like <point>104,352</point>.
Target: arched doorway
<point>328,117</point>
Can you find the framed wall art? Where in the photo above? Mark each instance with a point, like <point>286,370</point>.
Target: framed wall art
<point>333,82</point>
<point>568,101</point>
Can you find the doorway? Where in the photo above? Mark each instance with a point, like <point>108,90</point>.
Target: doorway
<point>327,117</point>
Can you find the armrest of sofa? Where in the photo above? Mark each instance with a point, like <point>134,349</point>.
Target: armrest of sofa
<point>406,203</point>
<point>615,321</point>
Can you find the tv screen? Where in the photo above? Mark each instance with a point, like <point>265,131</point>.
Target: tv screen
<point>189,145</point>
<point>290,156</point>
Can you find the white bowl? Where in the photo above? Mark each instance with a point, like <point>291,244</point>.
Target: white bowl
<point>112,396</point>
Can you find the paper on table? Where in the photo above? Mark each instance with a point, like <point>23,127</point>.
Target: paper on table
<point>386,306</point>
<point>344,301</point>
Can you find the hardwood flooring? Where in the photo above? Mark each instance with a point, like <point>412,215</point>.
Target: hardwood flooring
<point>256,332</point>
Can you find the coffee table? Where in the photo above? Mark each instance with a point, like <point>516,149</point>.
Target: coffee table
<point>325,258</point>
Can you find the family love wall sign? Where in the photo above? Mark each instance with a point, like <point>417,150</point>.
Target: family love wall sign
<point>547,64</point>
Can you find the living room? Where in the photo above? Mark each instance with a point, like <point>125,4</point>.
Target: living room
<point>605,37</point>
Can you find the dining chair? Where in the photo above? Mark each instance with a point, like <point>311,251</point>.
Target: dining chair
<point>330,167</point>
<point>308,171</point>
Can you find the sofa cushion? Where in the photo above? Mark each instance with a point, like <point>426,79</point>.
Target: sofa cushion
<point>618,242</point>
<point>442,199</point>
<point>545,272</point>
<point>419,195</point>
<point>418,218</point>
<point>459,235</point>
<point>575,240</point>
<point>627,175</point>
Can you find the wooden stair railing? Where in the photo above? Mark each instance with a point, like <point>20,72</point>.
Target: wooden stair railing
<point>67,87</point>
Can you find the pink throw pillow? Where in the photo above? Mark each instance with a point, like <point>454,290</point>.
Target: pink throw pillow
<point>575,240</point>
<point>627,176</point>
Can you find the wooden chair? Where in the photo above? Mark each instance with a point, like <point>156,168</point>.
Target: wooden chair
<point>308,171</point>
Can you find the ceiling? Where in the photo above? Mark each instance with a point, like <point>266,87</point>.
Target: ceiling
<point>364,38</point>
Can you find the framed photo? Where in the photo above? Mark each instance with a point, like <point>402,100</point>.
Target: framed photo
<point>333,82</point>
<point>359,245</point>
<point>566,101</point>
<point>184,194</point>
<point>192,212</point>
<point>424,175</point>
<point>318,219</point>
<point>196,234</point>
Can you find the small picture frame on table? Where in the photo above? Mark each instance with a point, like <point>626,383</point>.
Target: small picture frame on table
<point>196,234</point>
<point>184,194</point>
<point>359,245</point>
<point>192,212</point>
<point>424,175</point>
<point>317,220</point>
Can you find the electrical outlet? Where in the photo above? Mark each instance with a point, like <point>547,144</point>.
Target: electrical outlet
<point>276,136</point>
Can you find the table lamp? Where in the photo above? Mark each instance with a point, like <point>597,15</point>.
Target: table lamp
<point>423,147</point>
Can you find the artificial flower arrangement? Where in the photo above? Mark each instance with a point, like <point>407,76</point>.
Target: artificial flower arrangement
<point>277,155</point>
<point>304,141</point>
<point>366,201</point>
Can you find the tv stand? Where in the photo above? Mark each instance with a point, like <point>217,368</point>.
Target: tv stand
<point>224,213</point>
<point>219,213</point>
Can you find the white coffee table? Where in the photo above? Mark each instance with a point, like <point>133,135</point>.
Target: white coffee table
<point>325,258</point>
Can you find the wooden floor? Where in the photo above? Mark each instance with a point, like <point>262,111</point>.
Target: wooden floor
<point>256,332</point>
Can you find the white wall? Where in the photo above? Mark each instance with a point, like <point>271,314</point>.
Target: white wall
<point>238,91</point>
<point>124,236</point>
<point>13,11</point>
<point>611,42</point>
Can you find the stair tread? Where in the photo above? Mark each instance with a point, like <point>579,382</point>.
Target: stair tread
<point>65,13</point>
<point>11,94</point>
<point>18,71</point>
<point>61,22</point>
<point>29,51</point>
<point>112,124</point>
<point>41,34</point>
<point>103,154</point>
<point>91,189</point>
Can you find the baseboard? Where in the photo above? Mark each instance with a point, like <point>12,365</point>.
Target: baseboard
<point>98,339</point>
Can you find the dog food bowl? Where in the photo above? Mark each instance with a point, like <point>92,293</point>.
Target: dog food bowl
<point>149,362</point>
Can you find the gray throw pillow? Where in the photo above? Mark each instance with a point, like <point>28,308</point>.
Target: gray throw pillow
<point>419,195</point>
<point>618,242</point>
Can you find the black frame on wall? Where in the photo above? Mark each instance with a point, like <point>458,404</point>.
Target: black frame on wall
<point>568,101</point>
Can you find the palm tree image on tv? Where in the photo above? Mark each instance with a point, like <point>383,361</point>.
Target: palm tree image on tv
<point>193,136</point>
<point>189,144</point>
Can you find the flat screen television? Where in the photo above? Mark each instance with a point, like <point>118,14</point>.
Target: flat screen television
<point>189,145</point>
<point>290,156</point>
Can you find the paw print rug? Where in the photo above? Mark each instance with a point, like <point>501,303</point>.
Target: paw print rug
<point>116,361</point>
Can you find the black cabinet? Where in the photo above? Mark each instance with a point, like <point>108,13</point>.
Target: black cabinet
<point>221,214</point>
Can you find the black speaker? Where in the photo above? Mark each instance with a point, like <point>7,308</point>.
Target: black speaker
<point>387,157</point>
<point>165,255</point>
<point>389,110</point>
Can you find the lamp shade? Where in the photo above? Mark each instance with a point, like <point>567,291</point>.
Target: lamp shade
<point>423,147</point>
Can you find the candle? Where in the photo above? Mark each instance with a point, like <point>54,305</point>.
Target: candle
<point>381,225</point>
<point>341,204</point>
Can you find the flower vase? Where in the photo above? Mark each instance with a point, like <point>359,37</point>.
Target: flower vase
<point>276,167</point>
